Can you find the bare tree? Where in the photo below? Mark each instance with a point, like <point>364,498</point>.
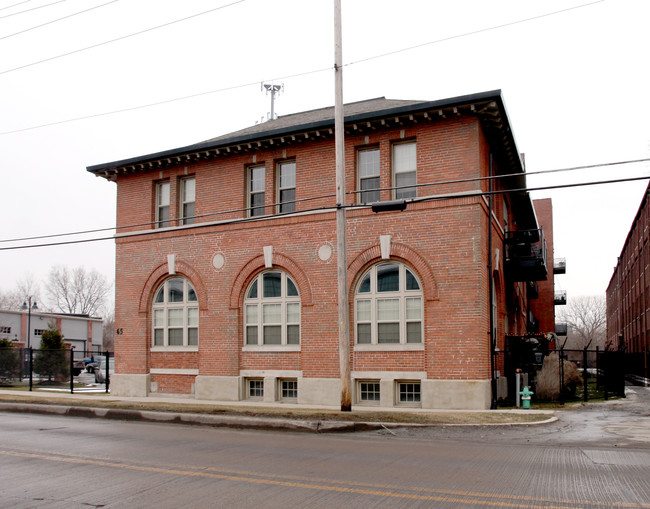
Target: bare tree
<point>77,290</point>
<point>7,301</point>
<point>27,286</point>
<point>108,339</point>
<point>586,317</point>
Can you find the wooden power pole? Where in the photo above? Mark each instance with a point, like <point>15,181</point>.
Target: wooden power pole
<point>341,236</point>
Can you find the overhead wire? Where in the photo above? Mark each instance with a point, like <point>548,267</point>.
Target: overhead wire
<point>295,75</point>
<point>32,9</point>
<point>332,208</point>
<point>473,32</point>
<point>14,5</point>
<point>56,20</point>
<point>315,209</point>
<point>121,38</point>
<point>167,101</point>
<point>330,195</point>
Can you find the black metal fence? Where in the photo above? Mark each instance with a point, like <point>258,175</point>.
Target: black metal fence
<point>638,368</point>
<point>560,375</point>
<point>56,370</point>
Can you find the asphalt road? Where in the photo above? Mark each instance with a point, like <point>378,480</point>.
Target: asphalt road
<point>65,462</point>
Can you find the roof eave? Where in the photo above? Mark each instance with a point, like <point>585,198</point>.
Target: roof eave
<point>299,128</point>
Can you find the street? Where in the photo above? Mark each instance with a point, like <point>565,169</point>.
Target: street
<point>52,461</point>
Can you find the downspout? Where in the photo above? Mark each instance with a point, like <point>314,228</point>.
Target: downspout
<point>493,405</point>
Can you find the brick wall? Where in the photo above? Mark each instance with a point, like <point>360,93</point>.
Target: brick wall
<point>444,243</point>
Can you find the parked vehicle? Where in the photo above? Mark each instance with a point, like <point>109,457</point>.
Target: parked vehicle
<point>100,371</point>
<point>92,363</point>
<point>77,368</point>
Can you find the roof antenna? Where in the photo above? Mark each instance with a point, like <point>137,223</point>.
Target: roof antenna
<point>273,89</point>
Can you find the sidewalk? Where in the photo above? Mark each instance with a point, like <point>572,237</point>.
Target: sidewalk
<point>256,415</point>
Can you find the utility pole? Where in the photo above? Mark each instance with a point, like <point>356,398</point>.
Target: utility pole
<point>341,237</point>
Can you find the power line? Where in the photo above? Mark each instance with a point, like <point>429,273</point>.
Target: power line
<point>49,59</point>
<point>474,32</point>
<point>56,20</point>
<point>455,196</point>
<point>244,85</point>
<point>510,175</point>
<point>319,197</point>
<point>159,103</point>
<point>330,195</point>
<point>14,5</point>
<point>29,10</point>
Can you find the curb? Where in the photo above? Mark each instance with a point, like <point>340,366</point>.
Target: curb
<point>220,421</point>
<point>231,421</point>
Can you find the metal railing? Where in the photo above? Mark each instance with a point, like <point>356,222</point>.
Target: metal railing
<point>563,375</point>
<point>55,370</point>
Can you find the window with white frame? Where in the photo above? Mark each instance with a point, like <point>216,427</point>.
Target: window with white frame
<point>369,391</point>
<point>408,392</point>
<point>5,330</point>
<point>175,314</point>
<point>368,169</point>
<point>256,186</point>
<point>288,389</point>
<point>405,170</point>
<point>272,310</point>
<point>255,388</point>
<point>388,306</point>
<point>287,186</point>
<point>188,199</point>
<point>162,205</point>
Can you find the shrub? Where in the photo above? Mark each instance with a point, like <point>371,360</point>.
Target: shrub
<point>548,378</point>
<point>52,360</point>
<point>9,360</point>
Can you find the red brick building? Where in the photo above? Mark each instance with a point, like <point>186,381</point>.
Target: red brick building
<point>542,295</point>
<point>226,277</point>
<point>628,296</point>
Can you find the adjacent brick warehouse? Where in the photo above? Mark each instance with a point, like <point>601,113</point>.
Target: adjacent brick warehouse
<point>441,356</point>
<point>628,297</point>
<point>543,306</point>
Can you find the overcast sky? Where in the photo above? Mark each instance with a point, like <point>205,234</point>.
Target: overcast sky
<point>574,76</point>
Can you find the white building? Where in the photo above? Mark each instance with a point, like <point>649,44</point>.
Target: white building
<point>82,332</point>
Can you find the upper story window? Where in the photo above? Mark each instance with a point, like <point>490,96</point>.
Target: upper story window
<point>405,170</point>
<point>388,306</point>
<point>162,204</point>
<point>175,314</point>
<point>287,186</point>
<point>256,184</point>
<point>187,200</point>
<point>368,174</point>
<point>272,311</point>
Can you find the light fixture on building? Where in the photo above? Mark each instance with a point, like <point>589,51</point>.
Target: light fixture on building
<point>385,206</point>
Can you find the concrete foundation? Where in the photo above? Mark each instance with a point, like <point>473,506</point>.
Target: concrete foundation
<point>134,386</point>
<point>319,391</point>
<point>217,388</point>
<point>456,394</point>
<point>435,394</point>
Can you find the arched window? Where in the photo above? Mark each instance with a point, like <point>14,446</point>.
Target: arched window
<point>272,310</point>
<point>175,314</point>
<point>388,306</point>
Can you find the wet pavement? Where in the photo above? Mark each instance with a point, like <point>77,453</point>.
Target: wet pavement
<point>621,422</point>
